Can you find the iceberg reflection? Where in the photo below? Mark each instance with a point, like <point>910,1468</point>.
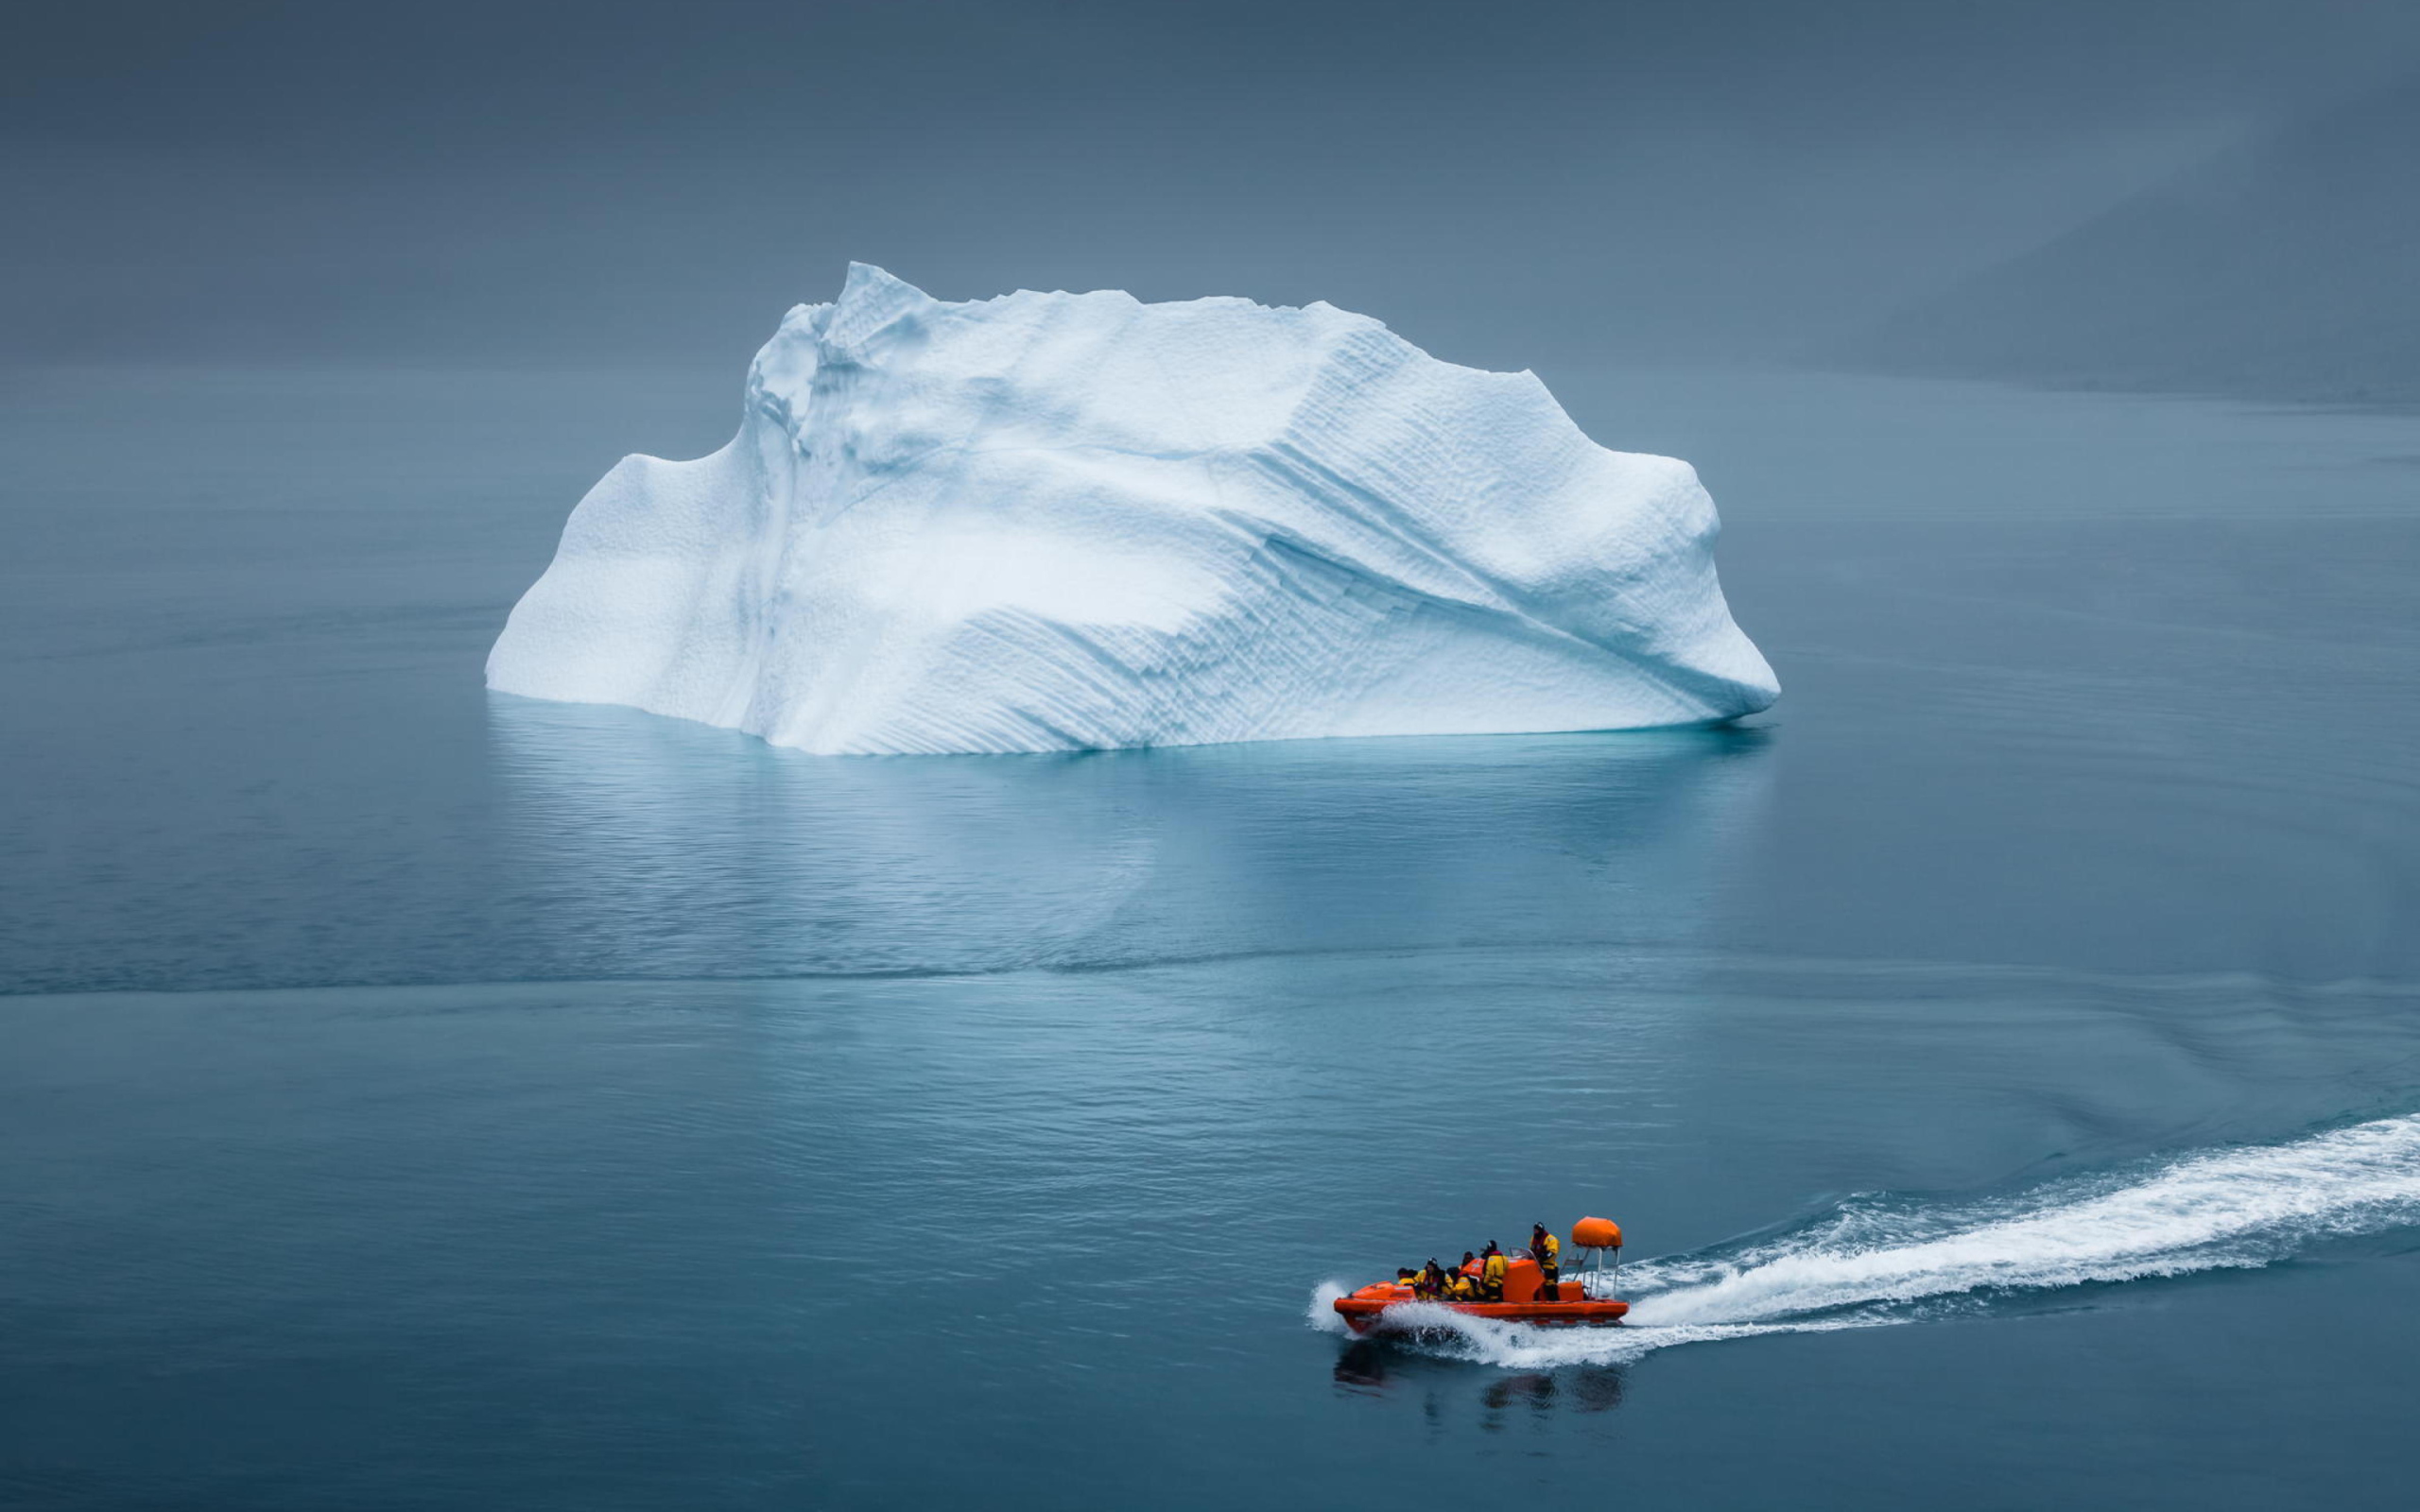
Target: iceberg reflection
<point>656,847</point>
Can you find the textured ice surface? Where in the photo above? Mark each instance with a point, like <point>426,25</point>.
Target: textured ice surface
<point>1052,521</point>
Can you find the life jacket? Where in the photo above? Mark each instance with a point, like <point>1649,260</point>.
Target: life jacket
<point>1493,1272</point>
<point>1462,1287</point>
<point>1551,1251</point>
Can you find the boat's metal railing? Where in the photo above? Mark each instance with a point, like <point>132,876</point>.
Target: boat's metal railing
<point>1598,1279</point>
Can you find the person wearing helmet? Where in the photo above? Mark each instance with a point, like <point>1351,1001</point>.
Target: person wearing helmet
<point>1547,1251</point>
<point>1490,1274</point>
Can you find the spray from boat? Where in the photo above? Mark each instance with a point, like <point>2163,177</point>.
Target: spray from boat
<point>1875,1260</point>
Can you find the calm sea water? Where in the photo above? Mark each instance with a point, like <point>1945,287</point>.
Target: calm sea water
<point>2005,1055</point>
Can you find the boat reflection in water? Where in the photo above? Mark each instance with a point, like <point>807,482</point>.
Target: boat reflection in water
<point>1391,1367</point>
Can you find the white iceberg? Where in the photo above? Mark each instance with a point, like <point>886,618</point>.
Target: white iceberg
<point>1061,522</point>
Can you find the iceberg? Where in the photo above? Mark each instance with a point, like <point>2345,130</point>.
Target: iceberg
<point>1068,521</point>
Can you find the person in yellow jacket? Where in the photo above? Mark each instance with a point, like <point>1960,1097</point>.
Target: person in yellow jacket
<point>1490,1274</point>
<point>1461,1288</point>
<point>1547,1251</point>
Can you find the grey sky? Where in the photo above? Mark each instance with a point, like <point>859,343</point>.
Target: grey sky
<point>1509,184</point>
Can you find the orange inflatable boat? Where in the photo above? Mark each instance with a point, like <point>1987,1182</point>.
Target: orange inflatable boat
<point>1525,1299</point>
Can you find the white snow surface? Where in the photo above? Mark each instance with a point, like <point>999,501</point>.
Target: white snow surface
<point>1056,522</point>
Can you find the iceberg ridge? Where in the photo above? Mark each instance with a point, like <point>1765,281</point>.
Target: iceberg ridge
<point>1055,522</point>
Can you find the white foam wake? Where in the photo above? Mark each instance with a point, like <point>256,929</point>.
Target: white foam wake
<point>1322,1314</point>
<point>1875,1260</point>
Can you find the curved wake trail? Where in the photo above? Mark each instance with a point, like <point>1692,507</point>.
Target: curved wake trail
<point>1875,1260</point>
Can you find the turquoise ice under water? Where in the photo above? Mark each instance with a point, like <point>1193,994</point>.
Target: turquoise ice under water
<point>2004,1056</point>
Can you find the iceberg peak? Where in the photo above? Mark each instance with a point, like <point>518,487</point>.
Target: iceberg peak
<point>1050,521</point>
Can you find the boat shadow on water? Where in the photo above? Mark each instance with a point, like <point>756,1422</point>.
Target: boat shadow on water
<point>1396,1367</point>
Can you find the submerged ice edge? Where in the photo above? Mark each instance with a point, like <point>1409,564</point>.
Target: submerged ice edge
<point>1875,1260</point>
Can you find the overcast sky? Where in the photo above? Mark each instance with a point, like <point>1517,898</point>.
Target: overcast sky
<point>1511,185</point>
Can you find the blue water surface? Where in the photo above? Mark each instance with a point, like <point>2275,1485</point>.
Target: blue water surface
<point>420,1099</point>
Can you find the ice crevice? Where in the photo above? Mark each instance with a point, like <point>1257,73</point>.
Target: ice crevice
<point>1049,522</point>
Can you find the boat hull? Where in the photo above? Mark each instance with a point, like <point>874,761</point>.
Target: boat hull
<point>1362,1312</point>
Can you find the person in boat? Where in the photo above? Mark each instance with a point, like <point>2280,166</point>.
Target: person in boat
<point>1462,1283</point>
<point>1431,1281</point>
<point>1547,1251</point>
<point>1490,1274</point>
<point>1406,1276</point>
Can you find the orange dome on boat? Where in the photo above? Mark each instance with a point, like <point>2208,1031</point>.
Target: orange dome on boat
<point>1597,1234</point>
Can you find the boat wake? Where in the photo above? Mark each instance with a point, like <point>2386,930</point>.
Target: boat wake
<point>1875,1260</point>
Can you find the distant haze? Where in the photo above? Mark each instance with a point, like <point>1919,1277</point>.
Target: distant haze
<point>1510,185</point>
<point>2288,266</point>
